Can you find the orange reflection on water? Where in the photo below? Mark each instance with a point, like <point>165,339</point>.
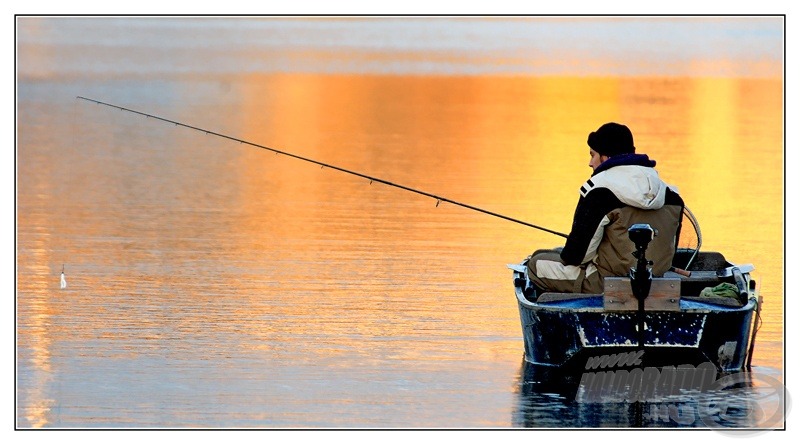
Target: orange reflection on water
<point>512,145</point>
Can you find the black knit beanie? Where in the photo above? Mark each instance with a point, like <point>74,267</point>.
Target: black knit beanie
<point>612,139</point>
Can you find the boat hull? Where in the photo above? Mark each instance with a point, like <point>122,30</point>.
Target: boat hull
<point>578,333</point>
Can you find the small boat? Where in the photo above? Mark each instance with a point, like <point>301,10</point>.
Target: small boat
<point>678,320</point>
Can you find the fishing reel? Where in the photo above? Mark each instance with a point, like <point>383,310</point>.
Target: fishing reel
<point>641,275</point>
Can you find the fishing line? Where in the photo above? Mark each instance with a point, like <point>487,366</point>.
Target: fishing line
<point>439,199</point>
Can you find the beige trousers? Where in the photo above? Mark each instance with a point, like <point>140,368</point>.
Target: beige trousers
<point>546,270</point>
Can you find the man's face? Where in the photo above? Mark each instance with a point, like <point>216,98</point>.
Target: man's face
<point>596,159</point>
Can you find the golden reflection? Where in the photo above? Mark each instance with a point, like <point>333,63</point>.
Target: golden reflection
<point>513,145</point>
<point>37,289</point>
<point>713,150</point>
<point>35,333</point>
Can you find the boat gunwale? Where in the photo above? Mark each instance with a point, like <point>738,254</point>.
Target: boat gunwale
<point>559,305</point>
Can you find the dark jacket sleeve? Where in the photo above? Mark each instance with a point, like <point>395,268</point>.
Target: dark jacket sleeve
<point>589,214</point>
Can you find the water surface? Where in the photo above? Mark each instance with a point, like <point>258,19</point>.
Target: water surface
<point>214,284</point>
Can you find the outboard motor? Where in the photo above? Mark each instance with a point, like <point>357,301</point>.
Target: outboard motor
<point>642,275</point>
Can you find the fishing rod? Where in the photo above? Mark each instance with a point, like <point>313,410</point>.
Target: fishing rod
<point>439,199</point>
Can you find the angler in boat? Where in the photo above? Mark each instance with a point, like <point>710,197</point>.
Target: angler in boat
<point>621,284</point>
<point>624,189</point>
